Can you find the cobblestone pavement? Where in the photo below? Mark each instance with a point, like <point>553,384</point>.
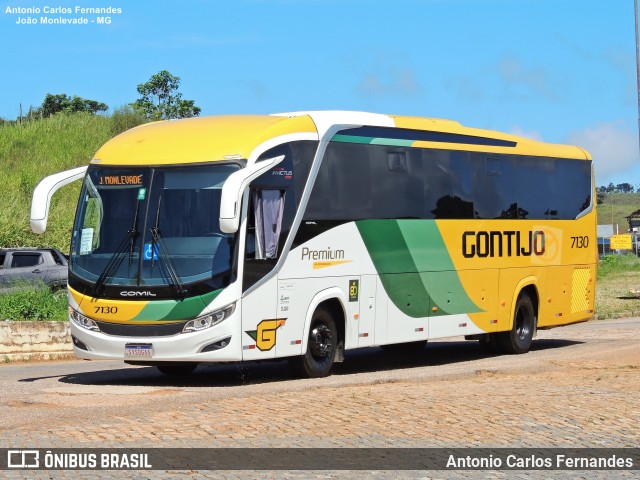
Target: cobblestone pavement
<point>578,387</point>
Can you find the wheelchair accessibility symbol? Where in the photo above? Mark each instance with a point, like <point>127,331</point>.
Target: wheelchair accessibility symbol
<point>147,252</point>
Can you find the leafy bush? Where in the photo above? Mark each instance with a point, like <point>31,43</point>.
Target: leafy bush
<point>63,103</point>
<point>126,118</point>
<point>37,303</point>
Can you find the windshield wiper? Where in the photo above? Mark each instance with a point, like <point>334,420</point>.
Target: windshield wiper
<point>116,259</point>
<point>163,254</point>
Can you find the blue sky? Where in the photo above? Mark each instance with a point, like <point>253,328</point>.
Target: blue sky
<point>561,71</point>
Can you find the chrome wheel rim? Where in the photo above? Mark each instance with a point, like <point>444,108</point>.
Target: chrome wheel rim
<point>320,341</point>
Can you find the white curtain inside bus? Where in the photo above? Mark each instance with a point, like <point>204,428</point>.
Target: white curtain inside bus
<point>269,205</point>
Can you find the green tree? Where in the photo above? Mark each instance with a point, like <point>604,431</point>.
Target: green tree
<point>160,99</point>
<point>63,103</point>
<point>624,188</point>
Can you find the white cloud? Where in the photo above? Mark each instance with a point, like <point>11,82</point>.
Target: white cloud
<point>614,148</point>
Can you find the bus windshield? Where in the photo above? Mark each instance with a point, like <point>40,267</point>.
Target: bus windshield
<point>152,227</point>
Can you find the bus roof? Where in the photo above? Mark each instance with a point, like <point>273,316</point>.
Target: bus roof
<point>524,146</point>
<point>219,138</point>
<point>198,139</point>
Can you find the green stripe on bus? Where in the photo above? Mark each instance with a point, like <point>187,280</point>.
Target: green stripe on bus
<point>415,268</point>
<point>351,139</point>
<point>386,246</point>
<point>171,310</point>
<point>395,142</point>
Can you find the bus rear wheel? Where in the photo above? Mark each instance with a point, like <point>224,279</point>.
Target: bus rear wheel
<point>518,339</point>
<point>321,346</point>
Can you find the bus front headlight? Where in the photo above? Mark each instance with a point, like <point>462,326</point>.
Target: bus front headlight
<point>82,321</point>
<point>209,320</point>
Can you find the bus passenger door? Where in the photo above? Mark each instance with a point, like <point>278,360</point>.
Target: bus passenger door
<point>365,308</point>
<point>260,320</point>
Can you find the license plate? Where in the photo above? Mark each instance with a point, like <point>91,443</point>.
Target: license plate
<point>138,350</point>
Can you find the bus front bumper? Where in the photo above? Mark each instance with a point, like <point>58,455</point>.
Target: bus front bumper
<point>216,344</point>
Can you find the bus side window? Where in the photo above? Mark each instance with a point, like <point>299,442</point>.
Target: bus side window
<point>268,207</point>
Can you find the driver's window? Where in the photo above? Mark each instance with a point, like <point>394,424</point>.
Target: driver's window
<point>267,210</point>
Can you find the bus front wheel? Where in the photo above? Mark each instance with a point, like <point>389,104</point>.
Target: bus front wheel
<point>321,346</point>
<point>518,339</point>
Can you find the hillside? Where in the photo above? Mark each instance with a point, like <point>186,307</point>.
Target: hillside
<point>617,206</point>
<point>31,151</point>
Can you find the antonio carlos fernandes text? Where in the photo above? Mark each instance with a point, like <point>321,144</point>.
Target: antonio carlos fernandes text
<point>535,462</point>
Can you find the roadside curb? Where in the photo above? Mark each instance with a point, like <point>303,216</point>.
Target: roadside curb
<point>35,341</point>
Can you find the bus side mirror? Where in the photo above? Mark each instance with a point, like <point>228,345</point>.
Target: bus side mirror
<point>44,191</point>
<point>233,189</point>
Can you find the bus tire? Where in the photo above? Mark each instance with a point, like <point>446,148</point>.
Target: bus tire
<point>177,369</point>
<point>321,346</point>
<point>518,339</point>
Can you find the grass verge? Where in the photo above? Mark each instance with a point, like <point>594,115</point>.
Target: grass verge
<point>37,303</point>
<point>618,275</point>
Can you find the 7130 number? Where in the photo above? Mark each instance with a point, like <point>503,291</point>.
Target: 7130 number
<point>106,310</point>
<point>580,242</point>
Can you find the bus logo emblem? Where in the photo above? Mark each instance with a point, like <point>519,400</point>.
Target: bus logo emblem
<point>265,335</point>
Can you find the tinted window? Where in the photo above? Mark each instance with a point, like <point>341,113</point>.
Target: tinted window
<point>358,182</point>
<point>153,226</point>
<point>289,177</point>
<point>448,184</point>
<point>57,257</point>
<point>494,188</point>
<point>554,188</point>
<point>284,183</point>
<point>361,181</point>
<point>2,257</point>
<point>26,260</point>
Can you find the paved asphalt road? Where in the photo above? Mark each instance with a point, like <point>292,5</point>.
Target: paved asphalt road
<point>579,386</point>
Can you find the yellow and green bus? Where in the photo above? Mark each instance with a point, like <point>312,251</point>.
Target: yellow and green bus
<point>302,235</point>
